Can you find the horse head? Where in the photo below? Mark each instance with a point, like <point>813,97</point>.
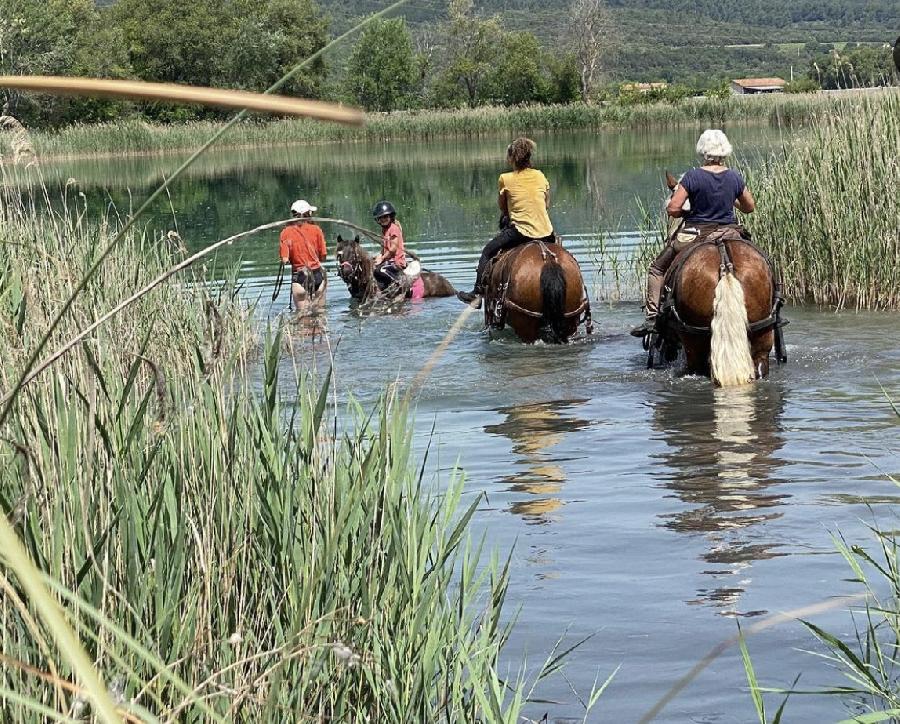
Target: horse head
<point>354,265</point>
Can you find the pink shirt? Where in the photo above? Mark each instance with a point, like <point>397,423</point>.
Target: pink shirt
<point>395,233</point>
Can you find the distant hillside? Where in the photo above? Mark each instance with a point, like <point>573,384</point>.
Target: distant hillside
<point>681,40</point>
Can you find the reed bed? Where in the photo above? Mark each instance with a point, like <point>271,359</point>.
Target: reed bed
<point>225,550</point>
<point>138,137</point>
<point>828,207</point>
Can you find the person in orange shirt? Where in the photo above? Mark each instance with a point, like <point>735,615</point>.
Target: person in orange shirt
<point>523,198</point>
<point>303,245</point>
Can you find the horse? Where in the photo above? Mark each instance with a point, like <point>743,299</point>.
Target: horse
<point>537,289</point>
<point>356,268</point>
<point>721,304</point>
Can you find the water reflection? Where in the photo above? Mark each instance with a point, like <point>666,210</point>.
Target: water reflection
<point>536,428</point>
<point>721,462</point>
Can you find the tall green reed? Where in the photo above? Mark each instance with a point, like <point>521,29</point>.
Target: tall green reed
<point>225,550</point>
<point>827,208</point>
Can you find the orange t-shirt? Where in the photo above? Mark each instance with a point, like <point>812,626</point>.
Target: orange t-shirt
<point>303,244</point>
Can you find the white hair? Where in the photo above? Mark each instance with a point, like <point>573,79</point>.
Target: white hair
<point>713,143</point>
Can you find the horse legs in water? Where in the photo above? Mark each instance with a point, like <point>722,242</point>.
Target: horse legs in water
<point>553,303</point>
<point>730,359</point>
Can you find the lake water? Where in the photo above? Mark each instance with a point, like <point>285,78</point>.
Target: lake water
<point>646,509</point>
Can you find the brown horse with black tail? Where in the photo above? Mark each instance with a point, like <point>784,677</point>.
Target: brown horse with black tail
<point>356,268</point>
<point>537,289</point>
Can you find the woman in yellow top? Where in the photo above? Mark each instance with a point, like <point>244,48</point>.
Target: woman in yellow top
<point>523,200</point>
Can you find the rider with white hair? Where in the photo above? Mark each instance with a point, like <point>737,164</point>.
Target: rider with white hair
<point>704,199</point>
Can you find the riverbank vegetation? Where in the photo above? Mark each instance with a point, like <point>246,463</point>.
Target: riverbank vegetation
<point>223,550</point>
<point>139,137</point>
<point>828,208</point>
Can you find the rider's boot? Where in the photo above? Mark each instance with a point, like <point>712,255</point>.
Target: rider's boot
<point>473,297</point>
<point>654,290</point>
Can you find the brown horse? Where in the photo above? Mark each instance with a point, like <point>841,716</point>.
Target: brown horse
<point>537,289</point>
<point>721,304</point>
<point>356,268</point>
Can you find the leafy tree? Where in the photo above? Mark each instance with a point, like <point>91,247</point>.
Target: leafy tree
<point>383,72</point>
<point>470,51</point>
<point>268,38</point>
<point>517,76</point>
<point>56,37</point>
<point>857,68</point>
<point>565,79</point>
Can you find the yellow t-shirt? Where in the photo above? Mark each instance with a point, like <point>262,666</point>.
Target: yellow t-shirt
<point>526,200</point>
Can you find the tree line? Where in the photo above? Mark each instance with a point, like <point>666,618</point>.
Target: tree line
<point>462,58</point>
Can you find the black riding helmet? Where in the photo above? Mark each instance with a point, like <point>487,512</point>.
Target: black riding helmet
<point>382,208</point>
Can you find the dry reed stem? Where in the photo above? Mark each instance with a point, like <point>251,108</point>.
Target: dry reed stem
<point>174,93</point>
<point>720,648</point>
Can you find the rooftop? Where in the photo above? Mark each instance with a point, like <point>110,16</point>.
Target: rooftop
<point>758,82</point>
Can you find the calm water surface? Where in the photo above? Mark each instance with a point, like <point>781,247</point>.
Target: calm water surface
<point>646,509</point>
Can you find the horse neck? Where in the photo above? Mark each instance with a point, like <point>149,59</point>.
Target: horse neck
<point>365,280</point>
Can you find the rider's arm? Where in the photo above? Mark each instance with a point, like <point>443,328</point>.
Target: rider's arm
<point>674,207</point>
<point>284,248</point>
<point>547,197</point>
<point>323,250</point>
<point>503,203</point>
<point>745,202</point>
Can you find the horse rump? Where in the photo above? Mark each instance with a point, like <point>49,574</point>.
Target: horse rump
<point>553,304</point>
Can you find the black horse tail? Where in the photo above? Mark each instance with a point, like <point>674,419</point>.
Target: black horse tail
<point>553,294</point>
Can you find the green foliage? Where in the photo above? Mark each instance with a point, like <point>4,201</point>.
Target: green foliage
<point>564,81</point>
<point>382,73</point>
<point>471,47</point>
<point>855,68</point>
<point>517,76</point>
<point>58,37</point>
<point>802,85</point>
<point>827,211</point>
<point>222,551</point>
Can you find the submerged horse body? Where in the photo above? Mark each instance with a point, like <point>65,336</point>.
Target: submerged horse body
<point>356,267</point>
<point>537,289</point>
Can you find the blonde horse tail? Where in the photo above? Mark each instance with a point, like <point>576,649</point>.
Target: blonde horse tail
<point>730,361</point>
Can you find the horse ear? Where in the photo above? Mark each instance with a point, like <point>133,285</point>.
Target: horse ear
<point>356,240</point>
<point>671,181</point>
<point>339,239</point>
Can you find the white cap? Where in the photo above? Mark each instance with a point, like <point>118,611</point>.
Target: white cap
<point>302,207</point>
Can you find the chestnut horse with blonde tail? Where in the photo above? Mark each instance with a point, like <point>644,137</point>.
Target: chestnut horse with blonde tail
<point>537,289</point>
<point>721,304</point>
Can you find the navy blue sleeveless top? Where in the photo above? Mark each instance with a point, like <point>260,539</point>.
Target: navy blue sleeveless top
<point>712,195</point>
